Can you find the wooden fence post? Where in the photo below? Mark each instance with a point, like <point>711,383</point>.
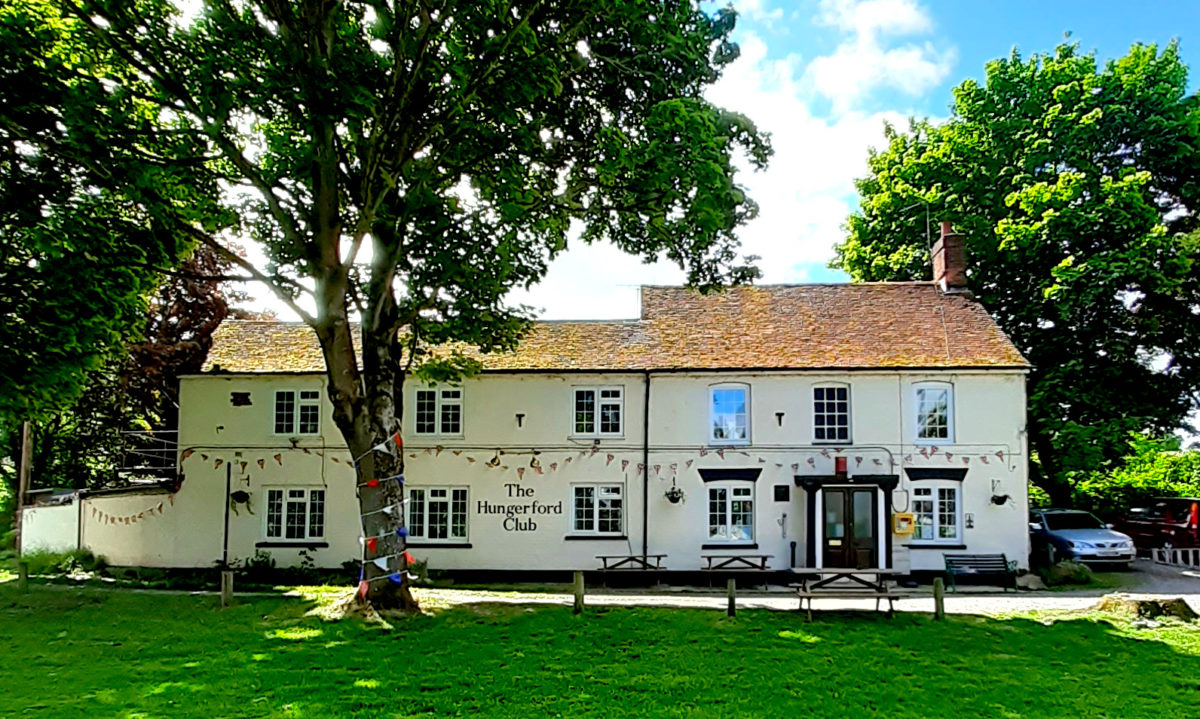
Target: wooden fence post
<point>731,589</point>
<point>23,576</point>
<point>226,588</point>
<point>578,592</point>
<point>939,598</point>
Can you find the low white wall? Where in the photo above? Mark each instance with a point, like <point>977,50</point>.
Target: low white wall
<point>50,529</point>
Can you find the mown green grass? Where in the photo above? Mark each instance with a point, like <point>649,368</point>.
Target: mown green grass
<point>95,653</point>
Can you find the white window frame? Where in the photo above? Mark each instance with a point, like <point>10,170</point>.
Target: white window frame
<point>598,410</point>
<point>419,532</point>
<point>729,486</point>
<point>299,401</point>
<point>440,400</point>
<point>712,413</point>
<point>935,487</point>
<point>286,498</point>
<point>918,390</point>
<point>849,412</point>
<point>597,488</point>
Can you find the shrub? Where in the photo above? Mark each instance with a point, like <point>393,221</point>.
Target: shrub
<point>55,563</point>
<point>1066,572</point>
<point>1157,468</point>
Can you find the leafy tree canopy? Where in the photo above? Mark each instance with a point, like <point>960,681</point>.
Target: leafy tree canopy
<point>1076,186</point>
<point>406,162</point>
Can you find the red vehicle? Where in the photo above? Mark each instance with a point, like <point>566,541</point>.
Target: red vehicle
<point>1168,522</point>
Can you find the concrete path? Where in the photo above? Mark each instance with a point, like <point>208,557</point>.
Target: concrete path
<point>1145,580</point>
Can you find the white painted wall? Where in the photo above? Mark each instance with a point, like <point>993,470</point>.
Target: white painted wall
<point>49,528</point>
<point>989,419</point>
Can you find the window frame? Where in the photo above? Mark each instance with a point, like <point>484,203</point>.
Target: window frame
<point>439,401</point>
<point>729,485</point>
<point>918,388</point>
<point>308,537</point>
<point>712,414</point>
<point>935,486</point>
<point>575,531</point>
<point>598,410</point>
<point>450,538</point>
<point>298,402</point>
<point>849,412</point>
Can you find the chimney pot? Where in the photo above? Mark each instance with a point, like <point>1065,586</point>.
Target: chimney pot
<point>950,260</point>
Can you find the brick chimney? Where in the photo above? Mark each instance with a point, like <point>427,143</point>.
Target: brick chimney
<point>950,260</point>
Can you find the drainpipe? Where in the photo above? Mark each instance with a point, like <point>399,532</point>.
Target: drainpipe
<point>225,540</point>
<point>646,465</point>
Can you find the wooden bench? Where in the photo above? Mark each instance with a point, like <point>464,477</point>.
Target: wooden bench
<point>630,562</point>
<point>842,583</point>
<point>980,565</point>
<point>735,562</point>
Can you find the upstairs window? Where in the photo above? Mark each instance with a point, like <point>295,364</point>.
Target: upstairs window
<point>438,411</point>
<point>729,414</point>
<point>831,413</point>
<point>935,413</point>
<point>295,514</point>
<point>297,413</point>
<point>599,411</point>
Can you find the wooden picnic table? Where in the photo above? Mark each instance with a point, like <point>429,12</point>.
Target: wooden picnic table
<point>630,562</point>
<point>843,583</point>
<point>737,562</point>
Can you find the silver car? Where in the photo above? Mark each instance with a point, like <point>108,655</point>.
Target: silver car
<point>1058,534</point>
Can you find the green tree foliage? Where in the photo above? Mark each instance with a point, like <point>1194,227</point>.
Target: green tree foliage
<point>408,163</point>
<point>1155,468</point>
<point>128,407</point>
<point>79,252</point>
<point>1076,187</point>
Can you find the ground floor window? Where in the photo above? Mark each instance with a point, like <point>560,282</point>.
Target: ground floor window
<point>437,513</point>
<point>936,508</point>
<point>297,514</point>
<point>731,512</point>
<point>597,508</point>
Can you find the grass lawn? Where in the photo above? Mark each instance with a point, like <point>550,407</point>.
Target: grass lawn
<point>96,653</point>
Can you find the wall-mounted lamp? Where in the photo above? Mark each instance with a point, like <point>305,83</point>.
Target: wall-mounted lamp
<point>520,418</point>
<point>534,463</point>
<point>494,461</point>
<point>779,418</point>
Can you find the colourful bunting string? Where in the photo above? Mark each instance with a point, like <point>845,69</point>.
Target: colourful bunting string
<point>363,587</point>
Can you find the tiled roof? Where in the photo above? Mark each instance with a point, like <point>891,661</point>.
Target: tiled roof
<point>854,326</point>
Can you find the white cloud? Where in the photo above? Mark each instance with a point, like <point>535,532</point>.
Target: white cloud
<point>864,62</point>
<point>757,11</point>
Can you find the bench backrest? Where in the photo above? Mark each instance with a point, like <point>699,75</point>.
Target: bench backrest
<point>977,562</point>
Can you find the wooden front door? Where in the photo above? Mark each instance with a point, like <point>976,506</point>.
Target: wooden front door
<point>851,527</point>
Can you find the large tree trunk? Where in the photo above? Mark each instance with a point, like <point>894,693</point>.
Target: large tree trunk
<point>365,411</point>
<point>1046,472</point>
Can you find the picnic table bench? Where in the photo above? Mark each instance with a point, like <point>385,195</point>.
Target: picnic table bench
<point>843,583</point>
<point>980,565</point>
<point>737,562</point>
<point>630,562</point>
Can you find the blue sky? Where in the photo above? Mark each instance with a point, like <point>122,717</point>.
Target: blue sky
<point>823,76</point>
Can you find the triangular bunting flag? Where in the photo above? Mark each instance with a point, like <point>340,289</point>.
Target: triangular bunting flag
<point>204,457</point>
<point>185,454</point>
<point>688,463</point>
<point>554,466</point>
<point>380,562</point>
<point>857,461</point>
<point>217,463</point>
<point>983,458</point>
<point>437,451</point>
<point>812,462</point>
<point>624,464</point>
<point>721,453</point>
<point>397,440</point>
<point>363,586</point>
<point>243,466</point>
<point>456,452</point>
<point>949,456</point>
<point>520,473</point>
<point>796,465</point>
<point>279,459</point>
<point>608,458</point>
<point>372,483</point>
<point>966,460</point>
<point>703,452</point>
<point>472,460</point>
<point>261,463</point>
